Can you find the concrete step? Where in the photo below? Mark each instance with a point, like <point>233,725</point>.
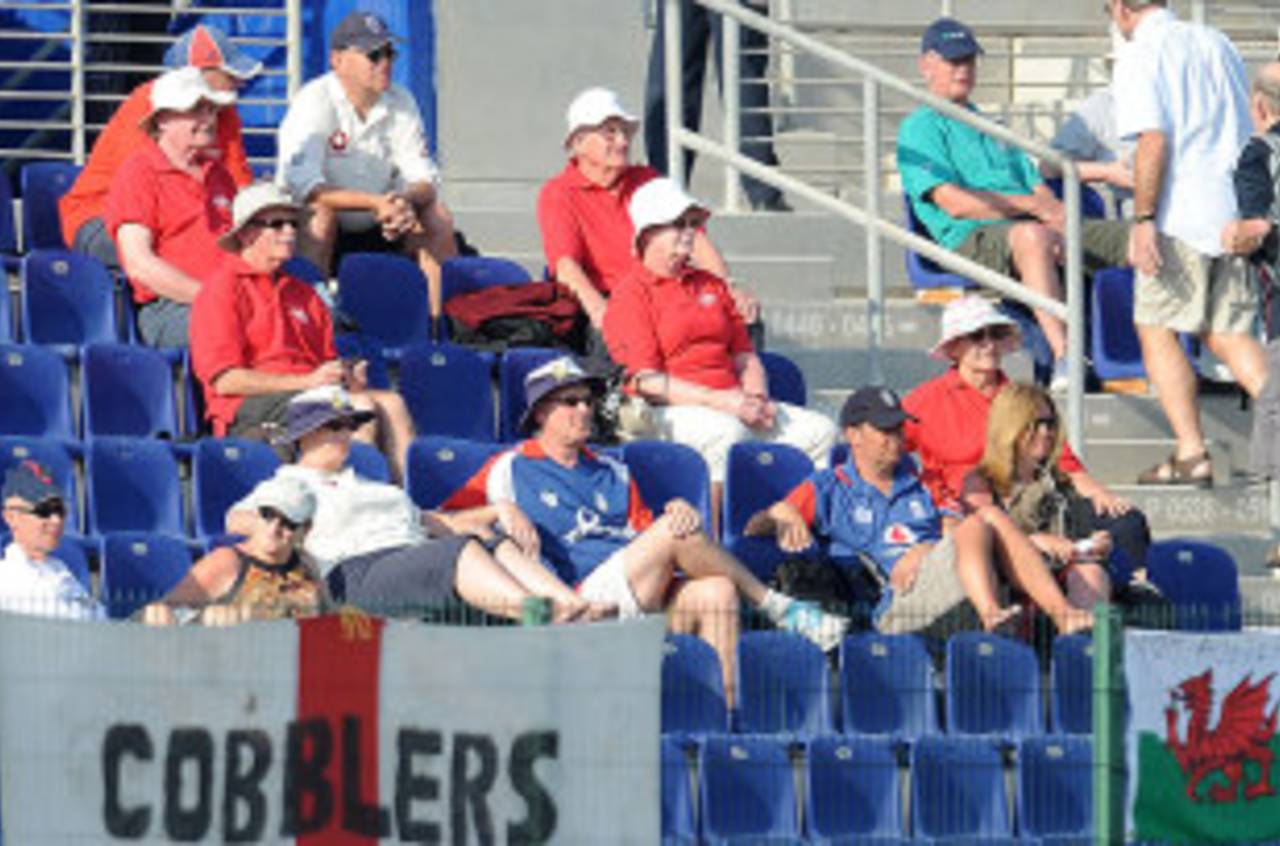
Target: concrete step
<point>1233,509</point>
<point>1119,461</point>
<point>801,323</point>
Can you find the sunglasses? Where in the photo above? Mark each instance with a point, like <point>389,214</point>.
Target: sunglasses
<point>272,515</point>
<point>43,511</point>
<point>574,399</point>
<point>388,52</point>
<point>277,223</point>
<point>689,220</point>
<point>995,334</point>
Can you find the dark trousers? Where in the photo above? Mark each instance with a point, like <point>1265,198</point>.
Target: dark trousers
<point>1130,538</point>
<point>700,30</point>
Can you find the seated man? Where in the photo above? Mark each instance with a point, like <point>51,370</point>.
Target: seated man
<point>224,67</point>
<point>353,148</point>
<point>168,204</point>
<point>874,505</point>
<point>32,580</point>
<point>983,198</point>
<point>596,531</point>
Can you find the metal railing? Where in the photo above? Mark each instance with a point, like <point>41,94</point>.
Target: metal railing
<point>869,215</point>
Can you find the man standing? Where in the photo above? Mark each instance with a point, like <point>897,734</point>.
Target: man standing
<point>1182,90</point>
<point>353,148</point>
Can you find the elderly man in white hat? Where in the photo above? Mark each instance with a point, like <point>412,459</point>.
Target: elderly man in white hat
<point>259,336</point>
<point>582,211</point>
<point>169,202</point>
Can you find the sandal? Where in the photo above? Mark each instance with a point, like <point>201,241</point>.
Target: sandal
<point>1196,470</point>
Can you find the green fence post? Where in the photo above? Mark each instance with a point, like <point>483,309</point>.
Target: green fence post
<point>1108,725</point>
<point>535,611</point>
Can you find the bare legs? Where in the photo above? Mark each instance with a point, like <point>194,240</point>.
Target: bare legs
<point>1034,249</point>
<point>1023,566</point>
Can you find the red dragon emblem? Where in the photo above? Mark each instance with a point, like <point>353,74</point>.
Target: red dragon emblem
<point>1243,734</point>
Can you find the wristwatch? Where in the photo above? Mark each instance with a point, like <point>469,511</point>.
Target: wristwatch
<point>1149,217</point>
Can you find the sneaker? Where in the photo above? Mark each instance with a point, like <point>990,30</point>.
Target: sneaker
<point>1059,380</point>
<point>810,621</point>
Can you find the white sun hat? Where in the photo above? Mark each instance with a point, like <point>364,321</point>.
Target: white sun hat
<point>592,108</point>
<point>967,315</point>
<point>182,90</point>
<point>659,202</point>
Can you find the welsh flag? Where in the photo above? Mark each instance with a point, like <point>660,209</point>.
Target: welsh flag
<point>1202,736</point>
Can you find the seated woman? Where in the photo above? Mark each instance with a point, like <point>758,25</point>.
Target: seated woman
<point>685,348</point>
<point>264,577</point>
<point>1019,473</point>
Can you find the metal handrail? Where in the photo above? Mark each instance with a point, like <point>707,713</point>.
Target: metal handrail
<point>874,79</point>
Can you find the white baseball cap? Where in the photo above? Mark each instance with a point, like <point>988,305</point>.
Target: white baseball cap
<point>290,496</point>
<point>182,90</point>
<point>592,108</point>
<point>967,315</point>
<point>249,201</point>
<point>659,202</point>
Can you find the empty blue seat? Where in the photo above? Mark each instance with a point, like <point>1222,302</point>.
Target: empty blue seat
<point>783,685</point>
<point>758,475</point>
<point>356,345</point>
<point>747,788</point>
<point>68,299</point>
<point>887,686</point>
<point>448,390</point>
<point>853,789</point>
<point>1055,787</point>
<point>132,485</point>
<point>514,365</point>
<point>664,471</point>
<point>993,686</point>
<point>386,296</point>
<point>1071,699</point>
<point>1201,581</point>
<point>368,462</point>
<point>128,390</point>
<point>36,392</point>
<point>692,687</point>
<point>786,380</point>
<point>43,183</point>
<point>957,788</point>
<point>438,466</point>
<point>678,824</point>
<point>140,567</point>
<point>1113,340</point>
<point>223,471</point>
<point>16,448</point>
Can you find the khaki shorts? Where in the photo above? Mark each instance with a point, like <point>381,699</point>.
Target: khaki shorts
<point>1196,293</point>
<point>609,583</point>
<point>1103,243</point>
<point>936,605</point>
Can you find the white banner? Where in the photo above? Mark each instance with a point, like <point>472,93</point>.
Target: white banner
<point>329,732</point>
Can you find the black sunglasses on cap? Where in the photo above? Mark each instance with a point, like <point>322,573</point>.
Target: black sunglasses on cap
<point>44,510</point>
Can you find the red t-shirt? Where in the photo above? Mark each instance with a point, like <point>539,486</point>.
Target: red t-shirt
<point>687,327</point>
<point>185,215</point>
<point>245,318</point>
<point>952,433</point>
<point>590,224</point>
<point>121,138</point>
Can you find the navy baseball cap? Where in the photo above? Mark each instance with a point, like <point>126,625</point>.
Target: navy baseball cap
<point>950,39</point>
<point>30,481</point>
<point>363,31</point>
<point>878,406</point>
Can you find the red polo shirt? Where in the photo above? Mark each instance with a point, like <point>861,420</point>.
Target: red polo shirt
<point>259,321</point>
<point>185,215</point>
<point>687,327</point>
<point>590,224</point>
<point>952,433</point>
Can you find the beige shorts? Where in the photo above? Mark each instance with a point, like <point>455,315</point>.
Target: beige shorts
<point>1196,293</point>
<point>936,604</point>
<point>609,583</point>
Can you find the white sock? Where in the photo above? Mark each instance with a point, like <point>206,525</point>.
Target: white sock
<point>775,605</point>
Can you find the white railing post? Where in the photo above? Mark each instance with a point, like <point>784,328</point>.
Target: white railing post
<point>672,58</point>
<point>1075,310</point>
<point>78,129</point>
<point>293,50</point>
<point>875,265</point>
<point>731,65</point>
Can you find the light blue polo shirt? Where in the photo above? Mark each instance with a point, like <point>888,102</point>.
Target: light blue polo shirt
<point>934,149</point>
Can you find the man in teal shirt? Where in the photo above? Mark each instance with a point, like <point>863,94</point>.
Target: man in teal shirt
<point>983,198</point>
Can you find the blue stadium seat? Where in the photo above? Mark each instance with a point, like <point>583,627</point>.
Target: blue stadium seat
<point>7,333</point>
<point>1071,675</point>
<point>138,568</point>
<point>127,390</point>
<point>692,688</point>
<point>357,345</point>
<point>664,471</point>
<point>68,300</point>
<point>923,273</point>
<point>887,686</point>
<point>448,390</point>
<point>464,274</point>
<point>37,394</point>
<point>71,552</point>
<point>8,231</point>
<point>1201,581</point>
<point>1092,203</point>
<point>368,462</point>
<point>783,685</point>
<point>853,792</point>
<point>15,448</point>
<point>786,380</point>
<point>957,788</point>
<point>678,825</point>
<point>386,296</point>
<point>747,788</point>
<point>1113,340</point>
<point>993,686</point>
<point>438,466</point>
<point>132,485</point>
<point>43,183</point>
<point>512,368</point>
<point>758,475</point>
<point>1055,787</point>
<point>299,267</point>
<point>224,470</point>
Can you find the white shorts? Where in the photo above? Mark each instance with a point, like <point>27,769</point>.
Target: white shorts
<point>608,583</point>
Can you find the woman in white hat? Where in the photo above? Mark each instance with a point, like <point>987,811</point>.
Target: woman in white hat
<point>685,347</point>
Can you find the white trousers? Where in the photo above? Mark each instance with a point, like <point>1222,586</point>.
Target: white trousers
<point>713,432</point>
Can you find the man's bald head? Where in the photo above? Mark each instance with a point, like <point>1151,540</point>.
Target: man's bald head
<point>1266,88</point>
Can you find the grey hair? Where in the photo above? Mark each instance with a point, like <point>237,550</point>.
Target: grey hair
<point>1266,85</point>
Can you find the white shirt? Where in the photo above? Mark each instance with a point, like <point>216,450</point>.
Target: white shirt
<point>44,589</point>
<point>353,516</point>
<point>323,140</point>
<point>1188,82</point>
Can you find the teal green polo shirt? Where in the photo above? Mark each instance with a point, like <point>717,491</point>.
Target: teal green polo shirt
<point>934,149</point>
